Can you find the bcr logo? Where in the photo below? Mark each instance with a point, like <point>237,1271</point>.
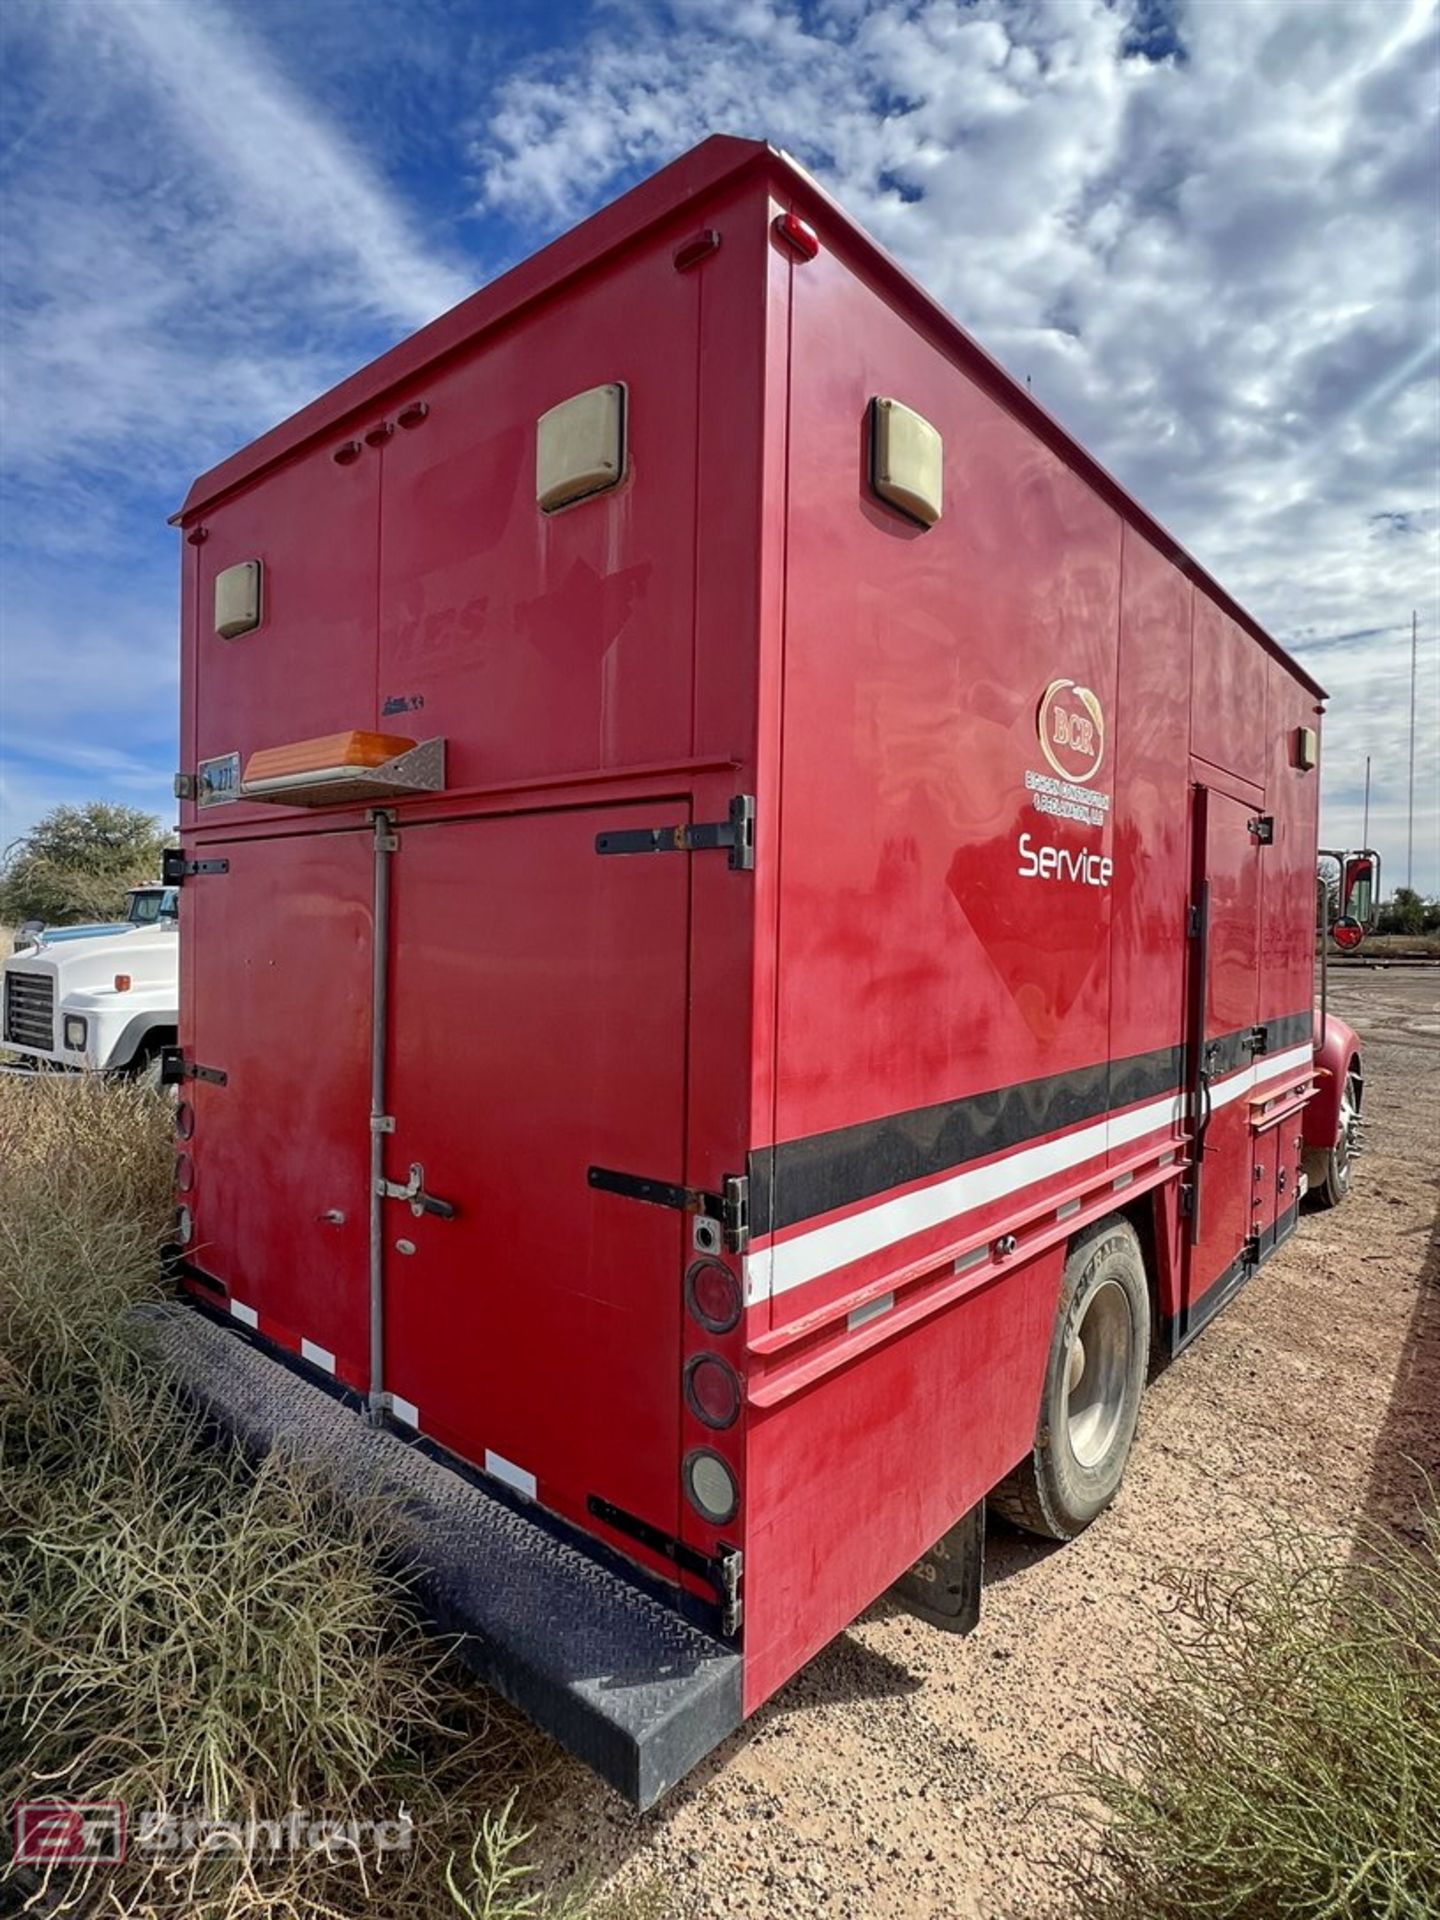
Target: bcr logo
<point>1071,727</point>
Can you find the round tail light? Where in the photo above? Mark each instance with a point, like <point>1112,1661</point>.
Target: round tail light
<point>712,1390</point>
<point>710,1486</point>
<point>712,1293</point>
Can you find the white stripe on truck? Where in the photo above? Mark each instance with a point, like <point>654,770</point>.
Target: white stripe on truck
<point>807,1256</point>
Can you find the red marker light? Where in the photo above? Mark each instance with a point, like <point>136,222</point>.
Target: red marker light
<point>798,235</point>
<point>122,983</point>
<point>712,1390</point>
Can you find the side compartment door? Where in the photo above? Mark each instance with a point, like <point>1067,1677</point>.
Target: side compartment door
<point>537,1025</point>
<point>1225,990</point>
<point>277,978</point>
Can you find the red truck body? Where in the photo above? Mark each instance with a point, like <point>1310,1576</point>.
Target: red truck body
<point>998,890</point>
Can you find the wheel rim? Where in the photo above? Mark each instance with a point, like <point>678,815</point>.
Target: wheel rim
<point>1098,1370</point>
<point>1345,1140</point>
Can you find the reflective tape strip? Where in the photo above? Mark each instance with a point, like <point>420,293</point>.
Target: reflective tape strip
<point>247,1316</point>
<point>513,1476</point>
<point>1265,1068</point>
<point>871,1310</point>
<point>808,1256</point>
<point>317,1356</point>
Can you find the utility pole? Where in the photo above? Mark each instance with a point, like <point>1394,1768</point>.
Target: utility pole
<point>1410,831</point>
<point>1365,830</point>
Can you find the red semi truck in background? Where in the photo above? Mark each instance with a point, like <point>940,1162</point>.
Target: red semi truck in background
<point>747,931</point>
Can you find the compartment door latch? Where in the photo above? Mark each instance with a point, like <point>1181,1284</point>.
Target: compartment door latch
<point>413,1192</point>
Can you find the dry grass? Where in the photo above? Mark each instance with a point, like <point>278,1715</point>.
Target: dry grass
<point>1286,1764</point>
<point>1402,946</point>
<point>186,1634</point>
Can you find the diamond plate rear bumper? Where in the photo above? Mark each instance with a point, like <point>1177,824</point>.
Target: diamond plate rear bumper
<point>598,1660</point>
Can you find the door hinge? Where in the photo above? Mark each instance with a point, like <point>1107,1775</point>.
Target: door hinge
<point>175,869</point>
<point>1251,1250</point>
<point>736,835</point>
<point>729,1567</point>
<point>1194,922</point>
<point>1258,1039</point>
<point>730,1207</point>
<point>1187,1198</point>
<point>723,1573</point>
<point>175,1068</point>
<point>1263,828</point>
<point>735,1211</point>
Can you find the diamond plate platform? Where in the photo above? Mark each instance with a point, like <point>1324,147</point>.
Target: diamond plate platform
<point>607,1667</point>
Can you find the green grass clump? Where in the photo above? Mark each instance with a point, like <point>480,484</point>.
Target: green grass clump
<point>188,1633</point>
<point>1286,1763</point>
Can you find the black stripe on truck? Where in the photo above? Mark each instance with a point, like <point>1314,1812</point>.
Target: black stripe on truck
<point>801,1179</point>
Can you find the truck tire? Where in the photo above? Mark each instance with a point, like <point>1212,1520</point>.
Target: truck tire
<point>1094,1378</point>
<point>1327,1174</point>
<point>144,1069</point>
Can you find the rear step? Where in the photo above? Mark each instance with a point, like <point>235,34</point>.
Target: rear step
<point>607,1667</point>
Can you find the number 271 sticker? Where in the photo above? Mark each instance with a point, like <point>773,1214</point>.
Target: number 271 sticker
<point>217,780</point>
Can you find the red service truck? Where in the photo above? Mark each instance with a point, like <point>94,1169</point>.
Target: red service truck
<point>747,939</point>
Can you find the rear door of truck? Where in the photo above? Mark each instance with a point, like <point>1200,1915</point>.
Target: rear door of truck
<point>277,1001</point>
<point>537,1029</point>
<point>537,1025</point>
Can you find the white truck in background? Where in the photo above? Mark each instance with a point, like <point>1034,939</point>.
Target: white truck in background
<point>97,999</point>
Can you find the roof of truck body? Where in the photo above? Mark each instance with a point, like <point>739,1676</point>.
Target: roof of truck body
<point>721,160</point>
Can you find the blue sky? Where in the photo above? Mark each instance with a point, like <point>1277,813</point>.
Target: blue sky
<point>1207,233</point>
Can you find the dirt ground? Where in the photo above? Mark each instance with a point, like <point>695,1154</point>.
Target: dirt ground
<point>906,1772</point>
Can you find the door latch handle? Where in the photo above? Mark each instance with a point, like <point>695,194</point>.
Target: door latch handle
<point>413,1192</point>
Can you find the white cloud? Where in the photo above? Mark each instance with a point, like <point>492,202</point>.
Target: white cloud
<point>191,285</point>
<point>1218,267</point>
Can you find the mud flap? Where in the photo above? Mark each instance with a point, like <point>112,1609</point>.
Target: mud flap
<point>944,1584</point>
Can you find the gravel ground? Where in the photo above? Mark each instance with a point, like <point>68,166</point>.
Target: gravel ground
<point>912,1774</point>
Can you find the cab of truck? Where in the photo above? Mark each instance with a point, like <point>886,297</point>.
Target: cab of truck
<point>150,906</point>
<point>97,998</point>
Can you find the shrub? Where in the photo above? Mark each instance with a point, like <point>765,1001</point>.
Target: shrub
<point>77,863</point>
<point>188,1634</point>
<point>1286,1765</point>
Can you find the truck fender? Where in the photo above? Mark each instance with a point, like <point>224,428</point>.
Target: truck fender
<point>138,1034</point>
<point>1335,1056</point>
